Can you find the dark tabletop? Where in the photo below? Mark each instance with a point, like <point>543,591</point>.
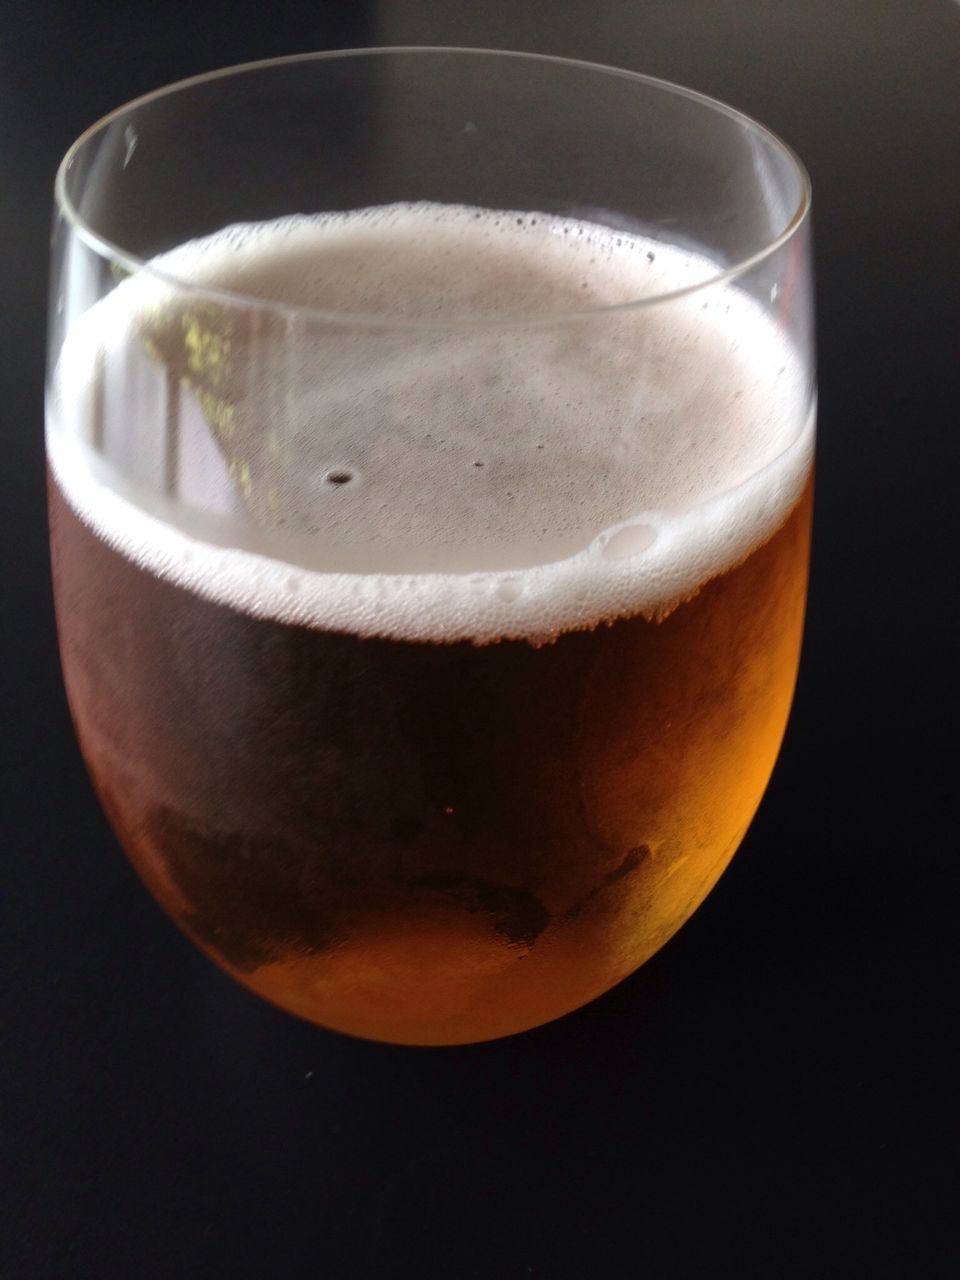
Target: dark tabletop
<point>772,1095</point>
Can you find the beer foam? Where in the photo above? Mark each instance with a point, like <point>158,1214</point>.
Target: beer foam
<point>449,468</point>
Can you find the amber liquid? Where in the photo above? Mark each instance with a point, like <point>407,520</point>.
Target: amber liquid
<point>427,843</point>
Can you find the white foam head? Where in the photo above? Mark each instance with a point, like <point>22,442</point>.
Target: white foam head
<point>426,476</point>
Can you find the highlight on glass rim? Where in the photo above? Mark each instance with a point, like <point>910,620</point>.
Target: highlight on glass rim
<point>430,469</point>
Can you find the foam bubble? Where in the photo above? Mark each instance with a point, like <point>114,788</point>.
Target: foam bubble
<point>631,540</point>
<point>432,478</point>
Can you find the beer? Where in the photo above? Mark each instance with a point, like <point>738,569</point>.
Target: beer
<point>451,696</point>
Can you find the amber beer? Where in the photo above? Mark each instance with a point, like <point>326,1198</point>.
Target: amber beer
<point>432,826</point>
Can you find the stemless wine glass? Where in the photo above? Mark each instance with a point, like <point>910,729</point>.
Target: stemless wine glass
<point>430,439</point>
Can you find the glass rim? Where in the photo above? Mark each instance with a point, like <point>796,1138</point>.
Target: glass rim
<point>136,265</point>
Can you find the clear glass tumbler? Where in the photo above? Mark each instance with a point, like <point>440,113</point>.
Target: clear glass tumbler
<point>430,438</point>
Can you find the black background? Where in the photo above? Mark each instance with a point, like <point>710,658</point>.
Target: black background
<point>772,1095</point>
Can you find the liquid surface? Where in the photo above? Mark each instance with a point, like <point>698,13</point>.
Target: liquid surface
<point>424,476</point>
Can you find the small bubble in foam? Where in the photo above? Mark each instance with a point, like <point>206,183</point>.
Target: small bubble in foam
<point>510,589</point>
<point>629,541</point>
